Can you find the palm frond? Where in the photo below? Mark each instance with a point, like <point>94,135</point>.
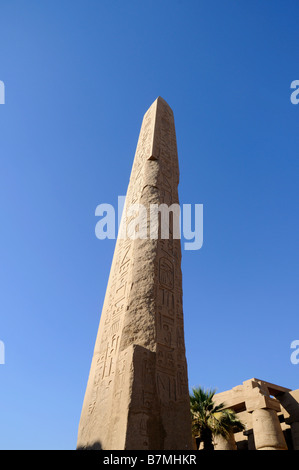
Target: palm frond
<point>209,418</point>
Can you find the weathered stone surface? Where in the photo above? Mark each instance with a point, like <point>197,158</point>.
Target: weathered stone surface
<point>267,430</point>
<point>259,405</point>
<point>137,393</point>
<point>222,443</point>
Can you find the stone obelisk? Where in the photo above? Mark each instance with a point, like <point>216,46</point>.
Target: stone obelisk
<point>137,394</point>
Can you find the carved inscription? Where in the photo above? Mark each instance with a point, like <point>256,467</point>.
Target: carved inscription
<point>139,373</point>
<point>166,273</point>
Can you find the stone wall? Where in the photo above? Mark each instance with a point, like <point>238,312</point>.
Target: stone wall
<point>270,413</point>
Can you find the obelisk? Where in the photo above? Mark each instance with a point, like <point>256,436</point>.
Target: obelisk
<point>137,394</point>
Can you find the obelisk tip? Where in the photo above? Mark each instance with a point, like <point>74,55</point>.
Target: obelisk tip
<point>160,101</point>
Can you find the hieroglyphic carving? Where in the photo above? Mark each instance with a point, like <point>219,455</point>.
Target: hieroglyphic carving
<point>117,292</point>
<point>138,386</point>
<point>166,384</point>
<point>171,365</point>
<point>166,273</point>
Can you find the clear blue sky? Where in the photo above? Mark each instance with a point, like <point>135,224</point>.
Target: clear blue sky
<point>79,76</point>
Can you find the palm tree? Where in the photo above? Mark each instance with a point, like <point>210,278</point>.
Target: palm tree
<point>209,419</point>
<point>227,423</point>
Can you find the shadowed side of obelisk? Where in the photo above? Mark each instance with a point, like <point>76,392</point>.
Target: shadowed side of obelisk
<point>137,392</point>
